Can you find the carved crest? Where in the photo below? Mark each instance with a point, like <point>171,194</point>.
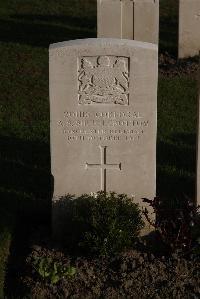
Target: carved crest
<point>103,80</point>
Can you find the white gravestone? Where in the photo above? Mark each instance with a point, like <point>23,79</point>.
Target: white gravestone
<point>103,107</point>
<point>129,19</point>
<point>189,28</point>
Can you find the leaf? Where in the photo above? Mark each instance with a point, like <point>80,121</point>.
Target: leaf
<point>71,271</point>
<point>55,267</point>
<point>54,278</point>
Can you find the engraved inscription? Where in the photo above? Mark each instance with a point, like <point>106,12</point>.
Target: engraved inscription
<point>117,126</point>
<point>103,80</point>
<point>103,166</point>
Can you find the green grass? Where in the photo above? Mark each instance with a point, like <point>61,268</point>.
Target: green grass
<point>27,27</point>
<point>176,144</point>
<point>169,26</point>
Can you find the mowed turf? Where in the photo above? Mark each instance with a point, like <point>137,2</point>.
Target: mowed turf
<point>27,27</point>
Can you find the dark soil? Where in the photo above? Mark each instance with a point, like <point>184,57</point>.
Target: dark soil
<point>132,274</point>
<point>171,67</point>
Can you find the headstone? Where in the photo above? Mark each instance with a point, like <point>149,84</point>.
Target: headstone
<point>128,19</point>
<point>189,28</point>
<point>103,107</point>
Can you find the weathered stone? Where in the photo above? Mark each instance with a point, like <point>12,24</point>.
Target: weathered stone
<point>128,19</point>
<point>189,25</point>
<point>103,104</point>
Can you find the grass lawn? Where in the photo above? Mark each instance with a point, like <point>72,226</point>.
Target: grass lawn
<point>27,29</point>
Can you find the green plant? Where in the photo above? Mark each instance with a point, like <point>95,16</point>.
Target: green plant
<point>177,226</point>
<point>101,223</point>
<point>51,270</point>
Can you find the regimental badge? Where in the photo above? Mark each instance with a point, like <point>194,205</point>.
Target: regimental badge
<point>103,80</point>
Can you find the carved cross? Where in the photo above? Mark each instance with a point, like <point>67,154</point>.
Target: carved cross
<point>103,166</point>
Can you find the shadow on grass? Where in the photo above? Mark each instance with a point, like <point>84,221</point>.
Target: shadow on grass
<point>87,22</point>
<point>25,192</point>
<point>25,166</point>
<point>168,26</point>
<point>176,165</point>
<point>40,31</point>
<point>26,187</point>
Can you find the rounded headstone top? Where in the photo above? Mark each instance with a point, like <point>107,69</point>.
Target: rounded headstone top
<point>104,42</point>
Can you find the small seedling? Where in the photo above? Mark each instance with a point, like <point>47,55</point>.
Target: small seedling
<point>52,271</point>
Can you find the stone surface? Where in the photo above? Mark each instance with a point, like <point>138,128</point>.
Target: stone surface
<point>128,19</point>
<point>103,108</point>
<point>189,28</point>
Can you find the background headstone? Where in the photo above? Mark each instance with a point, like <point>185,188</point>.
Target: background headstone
<point>128,19</point>
<point>103,105</point>
<point>189,28</point>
